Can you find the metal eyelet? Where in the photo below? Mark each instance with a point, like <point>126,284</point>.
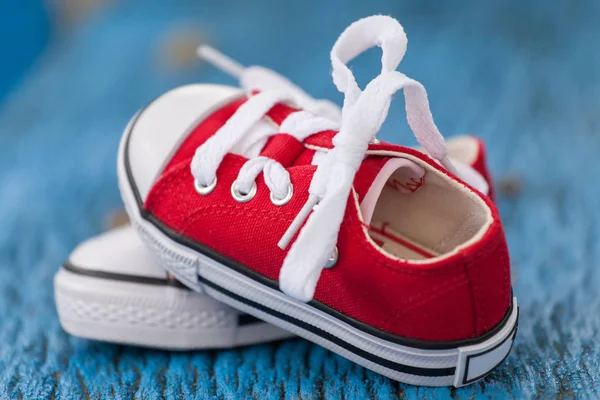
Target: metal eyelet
<point>286,199</point>
<point>204,190</point>
<point>240,197</point>
<point>333,258</point>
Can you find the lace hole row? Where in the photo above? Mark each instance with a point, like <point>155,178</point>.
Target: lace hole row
<point>243,197</point>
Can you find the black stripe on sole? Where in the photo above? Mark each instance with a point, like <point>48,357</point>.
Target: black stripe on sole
<point>243,319</point>
<point>247,319</point>
<point>113,276</point>
<point>406,369</point>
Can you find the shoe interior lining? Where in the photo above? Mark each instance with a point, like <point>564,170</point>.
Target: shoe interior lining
<point>430,222</point>
<point>463,148</point>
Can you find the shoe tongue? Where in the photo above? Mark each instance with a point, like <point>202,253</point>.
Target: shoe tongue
<point>375,173</point>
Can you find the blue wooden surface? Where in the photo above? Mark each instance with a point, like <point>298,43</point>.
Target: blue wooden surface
<point>524,75</point>
<point>24,31</point>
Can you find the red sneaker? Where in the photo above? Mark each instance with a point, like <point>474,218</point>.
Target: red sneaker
<point>375,251</point>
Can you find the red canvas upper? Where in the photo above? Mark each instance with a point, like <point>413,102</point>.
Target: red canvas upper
<point>458,297</point>
<point>480,165</point>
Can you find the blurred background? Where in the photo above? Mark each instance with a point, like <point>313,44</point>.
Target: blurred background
<point>524,75</point>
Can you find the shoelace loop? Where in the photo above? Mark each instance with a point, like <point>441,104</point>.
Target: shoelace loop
<point>362,115</point>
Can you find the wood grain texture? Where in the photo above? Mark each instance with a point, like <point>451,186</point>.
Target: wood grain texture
<point>524,75</point>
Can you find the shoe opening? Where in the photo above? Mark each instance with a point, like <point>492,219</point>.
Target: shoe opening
<point>424,216</point>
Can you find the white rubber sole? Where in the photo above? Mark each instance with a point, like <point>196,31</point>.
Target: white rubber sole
<point>159,316</point>
<point>447,366</point>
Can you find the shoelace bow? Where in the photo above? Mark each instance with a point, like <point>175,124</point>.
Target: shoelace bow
<point>362,115</point>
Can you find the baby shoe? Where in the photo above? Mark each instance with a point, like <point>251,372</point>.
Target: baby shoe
<point>112,289</point>
<point>100,288</point>
<point>277,211</point>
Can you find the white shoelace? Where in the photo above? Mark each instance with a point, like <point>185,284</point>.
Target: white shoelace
<point>363,114</point>
<point>264,79</point>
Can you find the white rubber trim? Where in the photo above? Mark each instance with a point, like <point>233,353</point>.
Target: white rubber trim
<point>151,315</point>
<point>474,362</point>
<point>186,264</point>
<point>165,124</point>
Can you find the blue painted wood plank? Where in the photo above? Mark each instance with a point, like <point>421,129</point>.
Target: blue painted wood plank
<point>24,32</point>
<point>524,75</point>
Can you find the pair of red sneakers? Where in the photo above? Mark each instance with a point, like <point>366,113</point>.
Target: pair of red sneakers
<point>293,212</point>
